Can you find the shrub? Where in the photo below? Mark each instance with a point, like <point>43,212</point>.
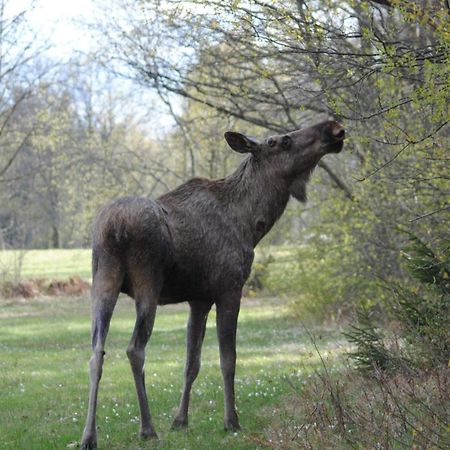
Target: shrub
<point>347,410</point>
<point>419,311</point>
<point>311,278</point>
<point>256,282</point>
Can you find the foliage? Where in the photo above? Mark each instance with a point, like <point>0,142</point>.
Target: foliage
<point>257,279</point>
<point>73,161</point>
<point>346,410</point>
<point>324,278</point>
<point>372,352</point>
<point>420,312</point>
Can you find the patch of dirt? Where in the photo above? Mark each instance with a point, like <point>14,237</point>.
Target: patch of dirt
<point>44,287</point>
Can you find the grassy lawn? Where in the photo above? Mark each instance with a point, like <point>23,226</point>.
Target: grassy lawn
<point>44,349</point>
<point>53,264</point>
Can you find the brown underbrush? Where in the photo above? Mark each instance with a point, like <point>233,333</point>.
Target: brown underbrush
<point>349,410</point>
<point>44,287</point>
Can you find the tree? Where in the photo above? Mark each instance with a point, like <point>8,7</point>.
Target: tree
<point>84,150</point>
<point>21,69</point>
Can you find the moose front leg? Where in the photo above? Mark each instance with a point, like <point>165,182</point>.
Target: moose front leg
<point>227,315</point>
<point>195,335</point>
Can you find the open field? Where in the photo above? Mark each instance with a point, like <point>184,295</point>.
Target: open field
<point>44,349</point>
<point>54,263</point>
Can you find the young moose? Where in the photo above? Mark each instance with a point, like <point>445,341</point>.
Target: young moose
<point>195,244</point>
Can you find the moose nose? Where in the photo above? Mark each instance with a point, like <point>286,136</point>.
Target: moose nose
<point>338,132</point>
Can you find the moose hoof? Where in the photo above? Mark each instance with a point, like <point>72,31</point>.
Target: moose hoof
<point>148,434</point>
<point>179,423</point>
<point>88,445</point>
<point>232,425</point>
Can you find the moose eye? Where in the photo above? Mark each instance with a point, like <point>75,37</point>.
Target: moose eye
<point>271,142</point>
<point>286,142</point>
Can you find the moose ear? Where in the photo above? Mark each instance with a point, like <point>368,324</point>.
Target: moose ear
<point>241,143</point>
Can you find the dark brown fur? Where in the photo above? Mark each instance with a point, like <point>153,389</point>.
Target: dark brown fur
<point>196,244</point>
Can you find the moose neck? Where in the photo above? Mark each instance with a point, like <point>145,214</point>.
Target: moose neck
<point>256,196</point>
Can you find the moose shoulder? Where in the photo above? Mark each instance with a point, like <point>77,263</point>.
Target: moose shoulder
<point>195,244</point>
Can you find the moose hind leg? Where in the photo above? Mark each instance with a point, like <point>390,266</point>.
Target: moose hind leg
<point>105,290</point>
<point>146,297</point>
<point>195,335</point>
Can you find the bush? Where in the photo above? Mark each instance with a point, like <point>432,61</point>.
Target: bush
<point>256,282</point>
<point>310,277</point>
<point>346,410</point>
<point>420,336</point>
<point>341,409</point>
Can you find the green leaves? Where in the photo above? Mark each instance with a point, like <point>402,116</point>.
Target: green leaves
<point>425,266</point>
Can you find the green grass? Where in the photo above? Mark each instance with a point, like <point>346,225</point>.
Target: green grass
<point>44,349</point>
<point>54,263</point>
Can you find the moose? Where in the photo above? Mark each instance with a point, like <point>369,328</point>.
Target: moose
<point>196,244</point>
